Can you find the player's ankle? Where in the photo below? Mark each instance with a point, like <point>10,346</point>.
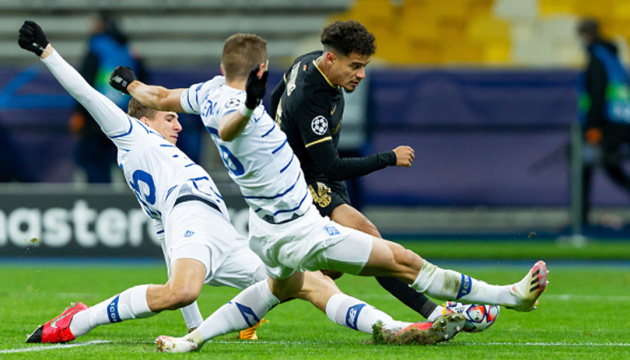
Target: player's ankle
<point>437,312</point>
<point>195,337</point>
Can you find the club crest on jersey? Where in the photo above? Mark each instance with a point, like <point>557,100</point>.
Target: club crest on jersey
<point>331,230</point>
<point>321,195</point>
<point>319,125</point>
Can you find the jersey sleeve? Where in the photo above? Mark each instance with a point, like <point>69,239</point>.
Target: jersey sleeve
<point>312,122</point>
<point>114,122</point>
<point>233,104</point>
<point>326,156</point>
<point>191,98</point>
<point>276,95</point>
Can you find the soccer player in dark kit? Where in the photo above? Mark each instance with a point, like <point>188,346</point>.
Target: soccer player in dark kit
<point>308,106</point>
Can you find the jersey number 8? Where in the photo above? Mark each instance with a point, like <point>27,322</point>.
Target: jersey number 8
<point>231,162</point>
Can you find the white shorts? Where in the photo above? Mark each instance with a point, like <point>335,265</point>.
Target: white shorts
<point>240,270</point>
<point>308,243</point>
<point>194,230</point>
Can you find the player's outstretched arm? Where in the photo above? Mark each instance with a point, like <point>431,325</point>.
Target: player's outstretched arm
<point>152,96</point>
<point>326,156</point>
<point>109,116</point>
<point>231,125</point>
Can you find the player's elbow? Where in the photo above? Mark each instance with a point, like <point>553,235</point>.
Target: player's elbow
<point>333,173</point>
<point>162,103</point>
<point>158,104</point>
<point>161,100</point>
<point>334,177</point>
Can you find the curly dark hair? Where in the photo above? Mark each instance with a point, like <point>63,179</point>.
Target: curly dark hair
<point>347,37</point>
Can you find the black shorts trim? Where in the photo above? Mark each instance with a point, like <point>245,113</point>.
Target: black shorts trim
<point>185,198</point>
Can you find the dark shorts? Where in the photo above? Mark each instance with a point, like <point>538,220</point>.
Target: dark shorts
<point>326,197</point>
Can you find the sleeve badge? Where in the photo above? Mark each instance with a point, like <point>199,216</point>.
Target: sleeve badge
<point>319,125</point>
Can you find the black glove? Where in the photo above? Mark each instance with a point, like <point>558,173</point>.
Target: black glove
<point>32,38</point>
<point>255,88</point>
<point>121,77</point>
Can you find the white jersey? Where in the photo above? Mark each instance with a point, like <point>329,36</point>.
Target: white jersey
<point>157,171</point>
<point>259,160</point>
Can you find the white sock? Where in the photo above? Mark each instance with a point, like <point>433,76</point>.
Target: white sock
<point>243,312</point>
<point>347,311</point>
<point>129,304</point>
<point>451,285</point>
<point>192,315</point>
<point>436,313</point>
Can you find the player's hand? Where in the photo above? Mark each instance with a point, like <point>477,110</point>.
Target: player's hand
<point>404,156</point>
<point>32,38</point>
<point>121,77</point>
<point>255,87</point>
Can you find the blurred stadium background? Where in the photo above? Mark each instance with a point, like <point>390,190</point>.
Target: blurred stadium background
<point>483,90</point>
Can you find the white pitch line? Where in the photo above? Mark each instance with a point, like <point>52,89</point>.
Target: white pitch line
<point>543,344</point>
<point>53,347</point>
<point>95,342</point>
<point>566,297</point>
<point>453,344</point>
<point>556,297</point>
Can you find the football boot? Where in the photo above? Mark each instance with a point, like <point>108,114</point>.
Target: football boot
<point>429,333</point>
<point>169,344</point>
<point>250,334</point>
<point>531,287</point>
<point>57,330</point>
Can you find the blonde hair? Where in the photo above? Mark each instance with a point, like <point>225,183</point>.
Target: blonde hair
<point>241,52</point>
<point>137,110</point>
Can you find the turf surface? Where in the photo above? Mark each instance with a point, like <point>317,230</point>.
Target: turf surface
<point>584,314</point>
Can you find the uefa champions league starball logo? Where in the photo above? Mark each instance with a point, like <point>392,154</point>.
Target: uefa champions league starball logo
<point>319,125</point>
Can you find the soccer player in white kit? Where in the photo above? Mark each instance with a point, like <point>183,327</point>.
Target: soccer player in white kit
<point>200,244</point>
<point>286,231</point>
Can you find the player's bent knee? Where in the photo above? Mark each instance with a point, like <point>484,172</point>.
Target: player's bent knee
<point>179,297</point>
<point>369,228</point>
<point>286,288</point>
<point>316,287</point>
<point>334,275</point>
<point>182,300</point>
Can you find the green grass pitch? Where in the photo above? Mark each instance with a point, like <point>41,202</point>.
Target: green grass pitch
<point>585,313</point>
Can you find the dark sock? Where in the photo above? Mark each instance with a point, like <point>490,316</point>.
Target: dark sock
<point>408,296</point>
